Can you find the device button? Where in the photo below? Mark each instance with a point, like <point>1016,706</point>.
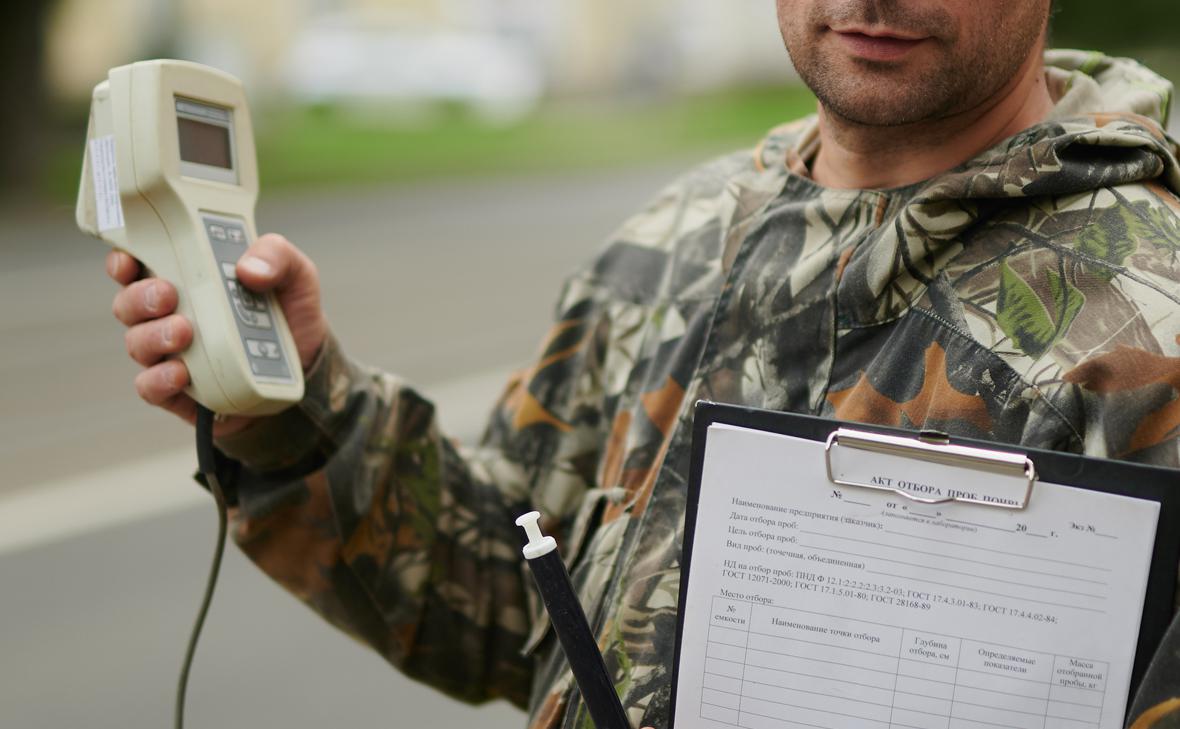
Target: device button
<point>252,301</point>
<point>255,319</point>
<point>237,235</point>
<point>263,349</point>
<point>249,317</point>
<point>217,231</point>
<point>230,271</point>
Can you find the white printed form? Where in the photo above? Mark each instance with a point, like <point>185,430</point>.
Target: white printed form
<point>812,605</point>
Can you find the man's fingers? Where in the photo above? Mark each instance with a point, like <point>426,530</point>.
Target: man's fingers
<point>273,262</point>
<point>159,384</point>
<point>183,407</point>
<point>147,343</point>
<point>151,298</point>
<point>122,267</point>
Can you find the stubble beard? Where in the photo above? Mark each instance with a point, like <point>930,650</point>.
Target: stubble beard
<point>866,93</point>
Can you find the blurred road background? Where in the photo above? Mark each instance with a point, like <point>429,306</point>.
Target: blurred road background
<point>102,551</point>
<point>446,163</point>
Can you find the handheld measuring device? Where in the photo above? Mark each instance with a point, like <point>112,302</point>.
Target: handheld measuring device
<point>169,176</point>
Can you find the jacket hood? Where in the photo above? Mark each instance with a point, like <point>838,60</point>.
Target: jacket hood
<point>1091,82</point>
<point>1106,131</point>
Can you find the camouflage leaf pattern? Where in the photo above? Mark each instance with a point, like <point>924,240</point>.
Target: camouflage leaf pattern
<point>1029,296</point>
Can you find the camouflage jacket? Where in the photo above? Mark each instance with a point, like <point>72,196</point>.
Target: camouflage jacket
<point>1029,296</point>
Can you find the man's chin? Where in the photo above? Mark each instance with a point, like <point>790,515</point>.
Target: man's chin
<point>889,107</point>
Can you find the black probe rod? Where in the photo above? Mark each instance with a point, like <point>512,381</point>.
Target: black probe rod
<point>569,622</point>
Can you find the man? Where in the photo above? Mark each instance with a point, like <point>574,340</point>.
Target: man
<point>967,237</point>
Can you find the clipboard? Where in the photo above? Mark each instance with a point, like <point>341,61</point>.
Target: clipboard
<point>1032,466</point>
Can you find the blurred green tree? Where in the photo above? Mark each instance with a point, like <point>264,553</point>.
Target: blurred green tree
<point>1123,27</point>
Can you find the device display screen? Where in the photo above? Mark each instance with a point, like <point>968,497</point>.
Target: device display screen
<point>205,144</point>
<point>205,133</point>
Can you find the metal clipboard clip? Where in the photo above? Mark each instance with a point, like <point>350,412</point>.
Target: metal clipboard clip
<point>934,448</point>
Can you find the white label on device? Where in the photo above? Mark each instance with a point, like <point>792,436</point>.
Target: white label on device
<point>106,183</point>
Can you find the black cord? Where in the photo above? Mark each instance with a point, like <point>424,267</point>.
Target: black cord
<point>207,463</point>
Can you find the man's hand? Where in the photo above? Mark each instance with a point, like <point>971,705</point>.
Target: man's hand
<point>154,331</point>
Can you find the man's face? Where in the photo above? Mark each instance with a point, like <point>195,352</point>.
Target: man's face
<point>894,62</point>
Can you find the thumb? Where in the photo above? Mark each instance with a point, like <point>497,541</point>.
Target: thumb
<point>273,263</point>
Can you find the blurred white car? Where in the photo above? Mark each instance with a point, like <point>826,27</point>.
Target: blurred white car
<point>387,59</point>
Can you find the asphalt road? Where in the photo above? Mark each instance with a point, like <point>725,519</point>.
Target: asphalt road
<point>104,540</point>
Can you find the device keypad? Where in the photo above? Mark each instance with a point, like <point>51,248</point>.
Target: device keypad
<point>252,311</point>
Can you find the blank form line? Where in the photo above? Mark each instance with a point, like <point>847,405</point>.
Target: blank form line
<point>803,723</point>
<point>727,660</point>
<point>793,688</point>
<point>811,675</point>
<point>990,691</point>
<point>719,706</point>
<point>1010,554</point>
<point>986,592</point>
<point>981,526</point>
<point>960,559</point>
<point>805,691</point>
<point>1070,718</point>
<point>1077,703</point>
<point>977,688</point>
<point>817,660</point>
<point>1004,708</point>
<point>954,572</point>
<point>989,723</point>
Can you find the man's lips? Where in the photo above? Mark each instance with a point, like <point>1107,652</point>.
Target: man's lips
<point>878,46</point>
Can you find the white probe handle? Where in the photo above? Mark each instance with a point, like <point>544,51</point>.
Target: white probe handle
<point>539,544</point>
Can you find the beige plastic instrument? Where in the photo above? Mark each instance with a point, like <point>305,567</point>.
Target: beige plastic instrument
<point>170,177</point>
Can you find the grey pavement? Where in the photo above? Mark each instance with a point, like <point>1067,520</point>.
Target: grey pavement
<point>441,283</point>
<point>93,630</point>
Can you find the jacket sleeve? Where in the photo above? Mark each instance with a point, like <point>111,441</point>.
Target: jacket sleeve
<point>357,504</point>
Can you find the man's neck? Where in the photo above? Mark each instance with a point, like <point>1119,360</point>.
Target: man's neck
<point>855,156</point>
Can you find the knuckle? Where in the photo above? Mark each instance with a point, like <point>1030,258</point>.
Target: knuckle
<point>310,266</point>
<point>149,296</point>
<point>122,267</point>
<point>172,333</point>
<point>142,388</point>
<point>182,330</point>
<point>140,341</point>
<point>277,246</point>
<point>273,239</point>
<point>127,305</point>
